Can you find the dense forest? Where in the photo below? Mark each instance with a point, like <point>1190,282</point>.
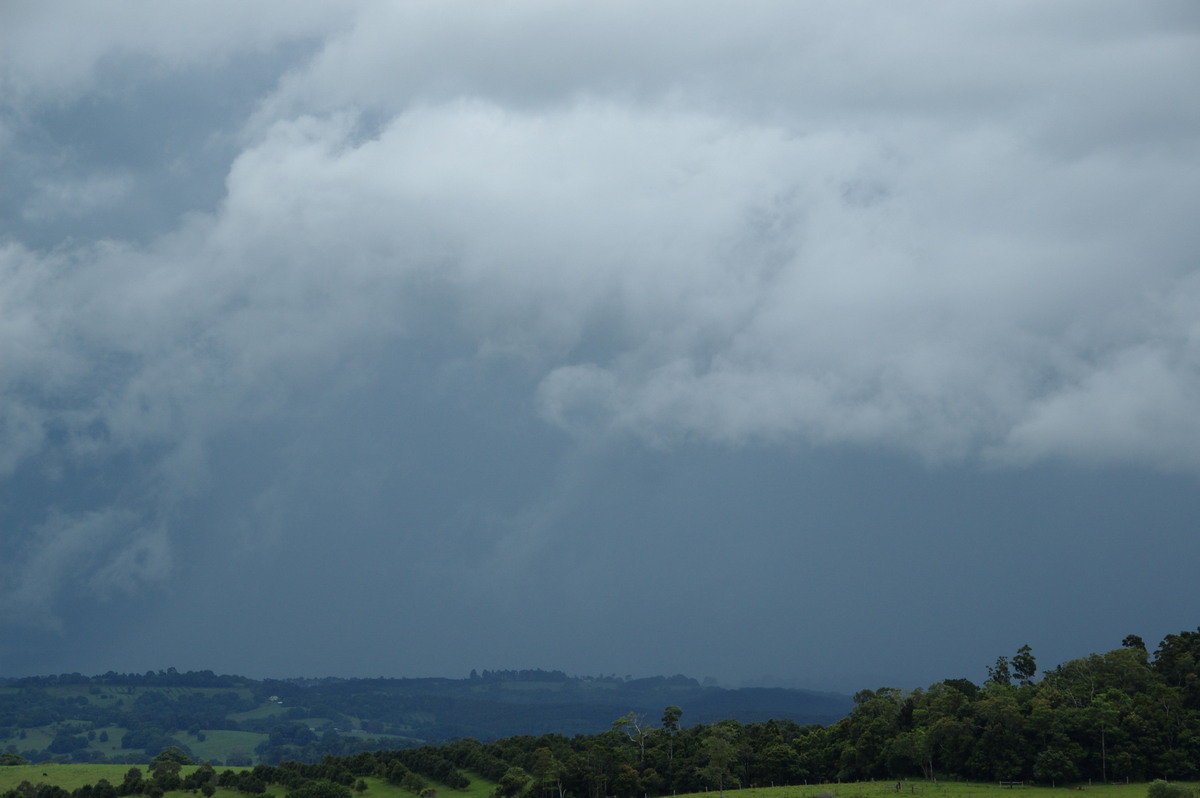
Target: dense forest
<point>1124,715</point>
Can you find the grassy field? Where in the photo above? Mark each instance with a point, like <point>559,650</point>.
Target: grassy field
<point>71,777</point>
<point>268,710</point>
<point>217,747</point>
<point>480,788</point>
<point>218,744</point>
<point>945,789</point>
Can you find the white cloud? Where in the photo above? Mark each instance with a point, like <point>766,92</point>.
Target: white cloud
<point>1133,404</point>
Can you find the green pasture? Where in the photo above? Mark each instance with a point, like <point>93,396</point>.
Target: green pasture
<point>479,788</point>
<point>218,744</point>
<point>69,777</point>
<point>265,710</point>
<point>35,739</point>
<point>944,789</point>
<point>72,777</point>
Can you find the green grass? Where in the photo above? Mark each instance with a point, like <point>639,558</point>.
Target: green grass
<point>69,777</point>
<point>112,746</point>
<point>72,777</point>
<point>378,788</point>
<point>945,789</point>
<point>36,739</point>
<point>479,787</point>
<point>219,743</point>
<point>267,710</point>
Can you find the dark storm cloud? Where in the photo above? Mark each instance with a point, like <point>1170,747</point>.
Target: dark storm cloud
<point>461,310</point>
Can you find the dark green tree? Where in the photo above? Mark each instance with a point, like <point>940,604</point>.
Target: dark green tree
<point>547,773</point>
<point>1024,666</point>
<point>670,724</point>
<point>320,788</point>
<point>780,764</point>
<point>718,755</point>
<point>513,783</point>
<point>1133,641</point>
<point>133,784</point>
<point>1000,673</point>
<point>1163,789</point>
<point>1055,766</point>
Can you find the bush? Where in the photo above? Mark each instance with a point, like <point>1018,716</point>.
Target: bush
<point>1161,789</point>
<point>320,789</point>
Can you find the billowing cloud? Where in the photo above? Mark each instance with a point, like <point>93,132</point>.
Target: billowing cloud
<point>964,235</point>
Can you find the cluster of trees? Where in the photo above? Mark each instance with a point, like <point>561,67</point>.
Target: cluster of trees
<point>1124,715</point>
<point>168,678</point>
<point>1116,716</point>
<point>297,742</point>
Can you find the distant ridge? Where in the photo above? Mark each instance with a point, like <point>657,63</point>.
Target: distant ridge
<point>116,717</point>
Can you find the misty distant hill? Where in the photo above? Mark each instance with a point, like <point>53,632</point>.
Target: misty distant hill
<point>237,720</point>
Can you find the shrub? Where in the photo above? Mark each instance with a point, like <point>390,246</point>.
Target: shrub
<point>1161,789</point>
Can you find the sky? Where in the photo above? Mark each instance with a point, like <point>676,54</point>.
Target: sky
<point>834,345</point>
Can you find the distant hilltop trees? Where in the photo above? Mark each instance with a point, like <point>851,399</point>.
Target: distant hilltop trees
<point>168,678</point>
<point>538,675</point>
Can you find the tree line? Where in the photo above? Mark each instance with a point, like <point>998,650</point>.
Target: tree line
<point>308,719</point>
<point>1124,715</point>
<point>1127,714</point>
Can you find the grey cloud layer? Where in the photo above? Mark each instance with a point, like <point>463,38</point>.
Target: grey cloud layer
<point>960,233</point>
<point>951,239</point>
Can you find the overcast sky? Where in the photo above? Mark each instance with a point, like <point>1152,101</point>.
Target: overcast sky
<point>850,344</point>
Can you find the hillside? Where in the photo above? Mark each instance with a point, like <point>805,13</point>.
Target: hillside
<point>129,718</point>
